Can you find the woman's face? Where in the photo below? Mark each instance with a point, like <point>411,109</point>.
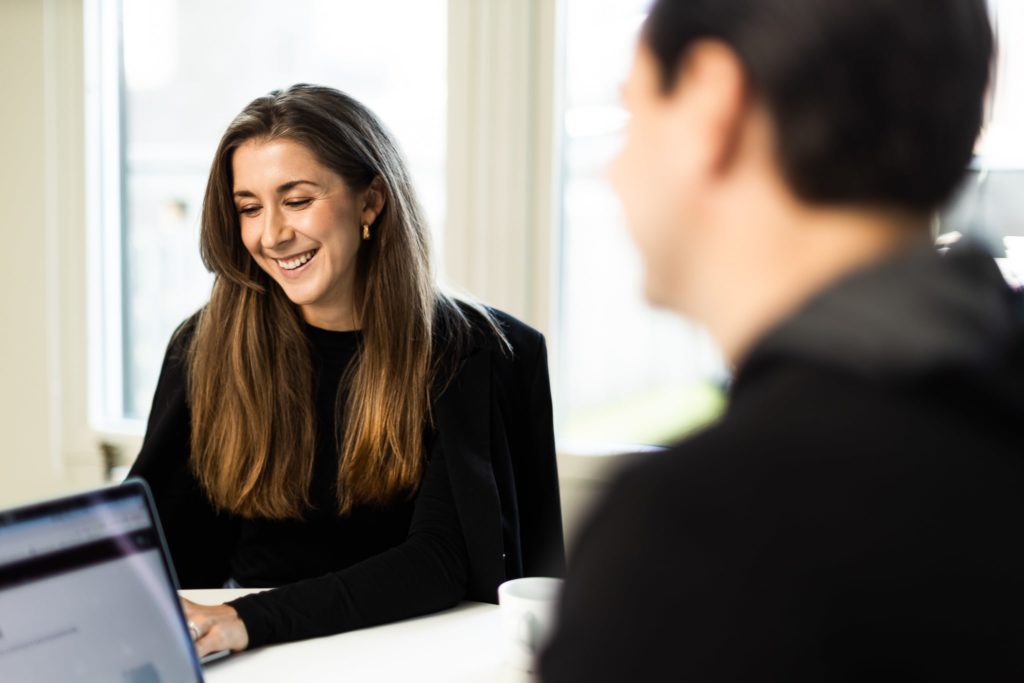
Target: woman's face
<point>303,226</point>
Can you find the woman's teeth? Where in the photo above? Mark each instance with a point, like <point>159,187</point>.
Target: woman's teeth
<point>293,263</point>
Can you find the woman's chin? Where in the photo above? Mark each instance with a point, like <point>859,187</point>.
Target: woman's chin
<point>300,294</point>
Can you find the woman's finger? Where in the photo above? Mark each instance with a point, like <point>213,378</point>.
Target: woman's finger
<point>214,628</point>
<point>221,636</point>
<point>210,642</point>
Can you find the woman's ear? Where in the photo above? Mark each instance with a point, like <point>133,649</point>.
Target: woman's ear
<point>374,199</point>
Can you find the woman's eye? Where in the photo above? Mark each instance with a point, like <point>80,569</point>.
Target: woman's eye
<point>248,210</point>
<point>297,203</point>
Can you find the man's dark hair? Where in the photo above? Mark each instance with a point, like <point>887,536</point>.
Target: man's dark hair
<point>874,101</point>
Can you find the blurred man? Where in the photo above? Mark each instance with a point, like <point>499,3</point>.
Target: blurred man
<point>858,511</point>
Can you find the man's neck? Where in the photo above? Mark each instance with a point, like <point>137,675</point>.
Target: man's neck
<point>806,252</point>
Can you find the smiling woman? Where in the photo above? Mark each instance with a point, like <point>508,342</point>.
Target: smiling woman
<point>289,228</point>
<point>256,215</point>
<point>319,425</point>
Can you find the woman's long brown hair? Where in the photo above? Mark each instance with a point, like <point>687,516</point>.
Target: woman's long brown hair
<point>251,383</point>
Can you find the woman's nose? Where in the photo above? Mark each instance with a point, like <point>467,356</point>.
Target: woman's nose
<point>275,229</point>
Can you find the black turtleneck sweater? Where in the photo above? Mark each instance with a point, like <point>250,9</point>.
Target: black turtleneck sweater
<point>332,573</point>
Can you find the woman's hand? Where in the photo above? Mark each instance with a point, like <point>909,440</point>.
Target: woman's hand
<point>215,627</point>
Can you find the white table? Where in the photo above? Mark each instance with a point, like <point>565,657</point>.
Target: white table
<point>460,644</point>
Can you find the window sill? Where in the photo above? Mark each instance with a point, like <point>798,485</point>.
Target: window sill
<point>596,462</point>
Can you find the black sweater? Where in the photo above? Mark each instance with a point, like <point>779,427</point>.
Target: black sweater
<point>269,553</point>
<point>376,566</point>
<point>855,515</point>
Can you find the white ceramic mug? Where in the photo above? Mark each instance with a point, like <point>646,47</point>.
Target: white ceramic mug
<point>527,616</point>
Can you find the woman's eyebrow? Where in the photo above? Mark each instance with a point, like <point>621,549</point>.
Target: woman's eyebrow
<point>281,189</point>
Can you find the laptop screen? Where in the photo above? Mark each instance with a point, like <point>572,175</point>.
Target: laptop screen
<point>86,593</point>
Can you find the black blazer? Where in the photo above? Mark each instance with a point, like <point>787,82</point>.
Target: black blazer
<point>493,420</point>
<point>496,415</point>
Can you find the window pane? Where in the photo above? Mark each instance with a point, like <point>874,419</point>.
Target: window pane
<point>628,374</point>
<point>990,204</point>
<point>189,66</point>
<point>1002,141</point>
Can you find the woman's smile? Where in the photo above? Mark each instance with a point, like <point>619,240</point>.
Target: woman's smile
<point>293,266</point>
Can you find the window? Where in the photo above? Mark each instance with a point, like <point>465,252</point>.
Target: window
<point>162,101</point>
<point>1002,142</point>
<point>990,204</point>
<point>628,374</point>
<point>168,75</point>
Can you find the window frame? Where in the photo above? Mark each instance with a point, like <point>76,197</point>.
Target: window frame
<point>105,178</point>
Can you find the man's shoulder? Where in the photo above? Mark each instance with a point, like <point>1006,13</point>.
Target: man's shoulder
<point>808,439</point>
<point>798,425</point>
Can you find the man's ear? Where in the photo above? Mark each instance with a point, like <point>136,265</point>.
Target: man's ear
<point>374,199</point>
<point>711,83</point>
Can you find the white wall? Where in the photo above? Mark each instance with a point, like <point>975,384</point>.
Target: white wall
<point>46,444</point>
<point>27,461</point>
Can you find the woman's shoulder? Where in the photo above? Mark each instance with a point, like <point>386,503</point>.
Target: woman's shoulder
<point>497,331</point>
<point>181,339</point>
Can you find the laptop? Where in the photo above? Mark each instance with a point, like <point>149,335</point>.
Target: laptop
<point>88,593</point>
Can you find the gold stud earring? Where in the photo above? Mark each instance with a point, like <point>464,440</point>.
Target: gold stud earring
<point>366,231</point>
